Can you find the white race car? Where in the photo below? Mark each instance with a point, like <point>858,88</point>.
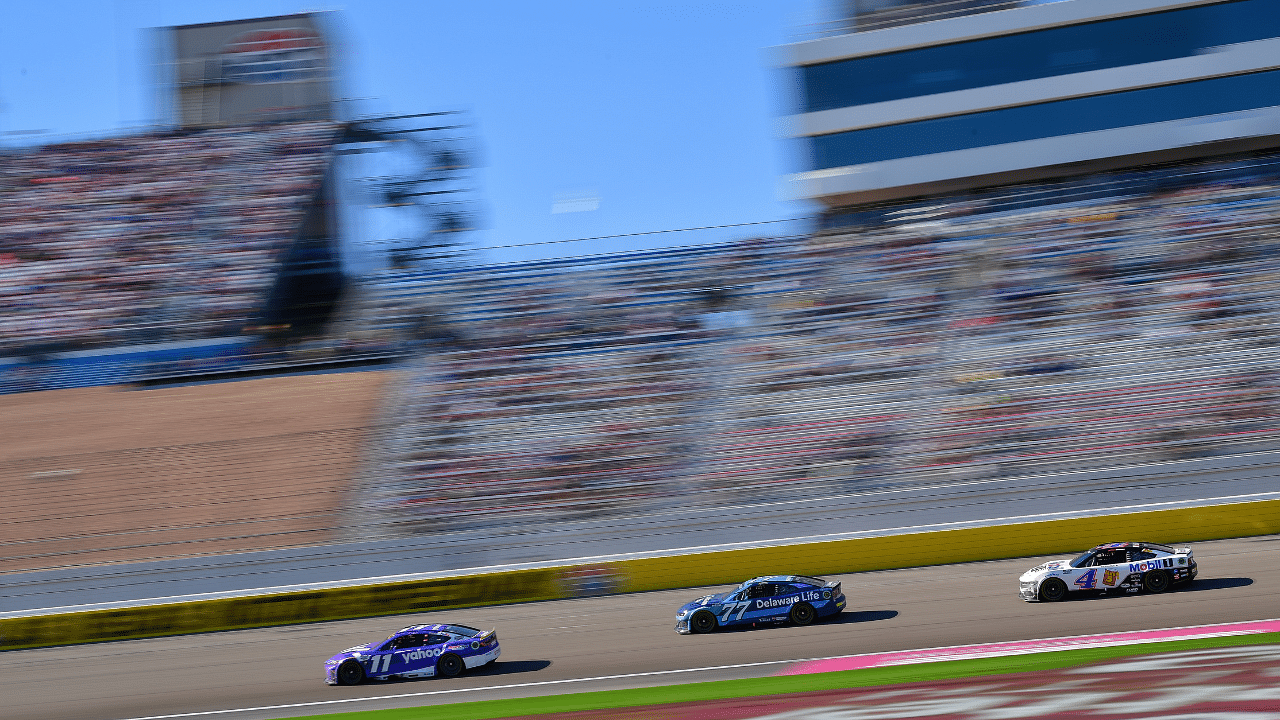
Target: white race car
<point>1127,566</point>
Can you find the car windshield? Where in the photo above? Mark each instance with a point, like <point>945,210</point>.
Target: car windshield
<point>462,630</point>
<point>1082,558</point>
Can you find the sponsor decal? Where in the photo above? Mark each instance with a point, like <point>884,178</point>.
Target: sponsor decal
<point>1110,577</point>
<point>274,55</point>
<point>807,595</point>
<point>600,579</point>
<point>422,654</point>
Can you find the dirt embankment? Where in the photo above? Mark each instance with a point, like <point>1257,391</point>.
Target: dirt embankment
<point>116,474</point>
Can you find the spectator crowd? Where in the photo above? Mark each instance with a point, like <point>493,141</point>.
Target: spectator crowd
<point>163,236</point>
<point>1102,321</point>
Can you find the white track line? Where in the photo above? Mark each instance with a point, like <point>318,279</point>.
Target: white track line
<point>207,713</point>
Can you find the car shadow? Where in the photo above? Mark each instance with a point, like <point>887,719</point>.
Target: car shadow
<point>512,667</point>
<point>1214,584</point>
<point>1196,585</point>
<point>860,617</point>
<point>497,667</point>
<point>843,618</point>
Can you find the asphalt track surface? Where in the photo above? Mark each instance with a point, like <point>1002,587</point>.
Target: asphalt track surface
<point>623,641</point>
<point>931,506</point>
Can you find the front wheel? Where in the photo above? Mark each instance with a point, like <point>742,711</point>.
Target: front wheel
<point>1053,590</point>
<point>802,614</point>
<point>702,622</point>
<point>350,673</point>
<point>1156,581</point>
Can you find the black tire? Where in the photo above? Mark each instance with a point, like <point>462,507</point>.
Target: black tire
<point>1156,581</point>
<point>802,614</point>
<point>350,673</point>
<point>449,665</point>
<point>1053,590</point>
<point>703,621</point>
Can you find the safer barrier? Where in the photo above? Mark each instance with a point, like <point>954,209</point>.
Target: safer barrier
<point>643,574</point>
<point>997,542</point>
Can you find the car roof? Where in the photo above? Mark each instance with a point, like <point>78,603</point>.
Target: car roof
<point>1127,545</point>
<point>782,578</point>
<point>465,630</point>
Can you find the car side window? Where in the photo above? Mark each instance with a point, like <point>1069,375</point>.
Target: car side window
<point>403,642</point>
<point>1136,555</point>
<point>1111,557</point>
<point>436,639</point>
<point>759,590</point>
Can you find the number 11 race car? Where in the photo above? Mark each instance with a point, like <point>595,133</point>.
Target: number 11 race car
<point>1126,566</point>
<point>777,598</point>
<point>416,651</point>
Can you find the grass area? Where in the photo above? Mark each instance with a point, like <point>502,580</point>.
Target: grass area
<point>723,689</point>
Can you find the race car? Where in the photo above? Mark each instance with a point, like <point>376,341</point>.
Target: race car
<point>416,651</point>
<point>1126,566</point>
<point>776,598</point>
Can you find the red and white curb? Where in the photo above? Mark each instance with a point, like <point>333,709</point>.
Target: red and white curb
<point>1027,647</point>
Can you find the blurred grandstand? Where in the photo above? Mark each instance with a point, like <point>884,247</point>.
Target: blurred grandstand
<point>1104,320</point>
<point>1095,311</point>
<point>120,255</point>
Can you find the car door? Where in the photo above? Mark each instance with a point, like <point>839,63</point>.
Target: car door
<point>770,601</point>
<point>734,608</point>
<point>1080,577</point>
<point>1100,572</point>
<point>407,653</point>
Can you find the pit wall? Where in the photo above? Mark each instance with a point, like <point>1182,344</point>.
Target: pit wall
<point>1179,526</point>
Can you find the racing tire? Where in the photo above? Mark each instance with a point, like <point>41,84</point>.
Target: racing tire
<point>1156,581</point>
<point>703,621</point>
<point>802,614</point>
<point>350,673</point>
<point>450,665</point>
<point>1053,590</point>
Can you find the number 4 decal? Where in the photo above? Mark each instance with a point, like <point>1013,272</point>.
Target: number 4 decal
<point>1087,580</point>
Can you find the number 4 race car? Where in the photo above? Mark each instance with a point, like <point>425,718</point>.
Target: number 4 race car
<point>1127,566</point>
<point>416,651</point>
<point>777,598</point>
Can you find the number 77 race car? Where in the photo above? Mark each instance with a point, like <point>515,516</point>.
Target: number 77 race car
<point>416,651</point>
<point>1127,566</point>
<point>777,598</point>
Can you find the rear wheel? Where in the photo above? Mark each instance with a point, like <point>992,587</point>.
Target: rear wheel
<point>449,665</point>
<point>802,614</point>
<point>350,673</point>
<point>1053,590</point>
<point>703,622</point>
<point>1156,581</point>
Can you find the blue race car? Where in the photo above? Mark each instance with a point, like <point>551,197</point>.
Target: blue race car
<point>416,651</point>
<point>777,598</point>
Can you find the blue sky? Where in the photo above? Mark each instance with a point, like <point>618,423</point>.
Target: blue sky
<point>666,112</point>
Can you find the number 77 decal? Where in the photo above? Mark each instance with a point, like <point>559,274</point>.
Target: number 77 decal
<point>1087,580</point>
<point>740,607</point>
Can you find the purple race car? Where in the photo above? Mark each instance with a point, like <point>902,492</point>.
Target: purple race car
<point>416,651</point>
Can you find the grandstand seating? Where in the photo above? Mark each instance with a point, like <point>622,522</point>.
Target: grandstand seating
<point>156,237</point>
<point>1098,322</point>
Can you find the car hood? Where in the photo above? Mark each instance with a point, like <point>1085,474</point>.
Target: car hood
<point>351,652</point>
<point>1041,571</point>
<point>704,601</point>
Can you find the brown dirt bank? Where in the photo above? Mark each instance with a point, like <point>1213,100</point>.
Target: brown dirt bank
<point>115,474</point>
